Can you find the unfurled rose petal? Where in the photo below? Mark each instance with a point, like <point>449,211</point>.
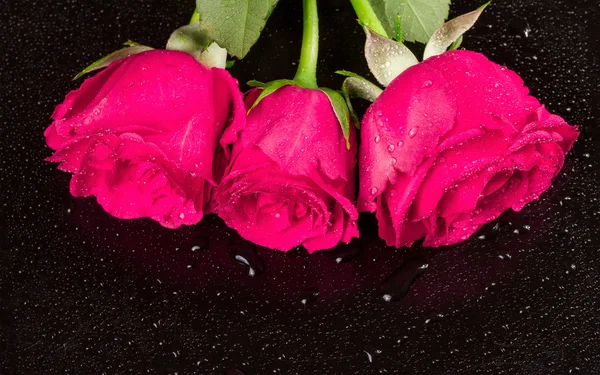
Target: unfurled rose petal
<point>143,136</point>
<point>451,144</point>
<point>291,178</point>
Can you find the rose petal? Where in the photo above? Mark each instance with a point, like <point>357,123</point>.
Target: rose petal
<point>455,165</point>
<point>298,129</point>
<point>402,128</point>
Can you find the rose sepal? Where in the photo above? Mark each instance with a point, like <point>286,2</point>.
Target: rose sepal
<point>131,48</point>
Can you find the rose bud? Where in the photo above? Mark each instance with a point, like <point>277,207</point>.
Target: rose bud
<point>291,176</point>
<point>145,136</point>
<point>451,144</point>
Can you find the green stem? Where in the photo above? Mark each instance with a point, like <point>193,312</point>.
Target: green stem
<point>307,67</point>
<point>195,16</point>
<point>367,16</point>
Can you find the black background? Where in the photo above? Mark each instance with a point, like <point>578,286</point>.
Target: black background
<point>84,293</point>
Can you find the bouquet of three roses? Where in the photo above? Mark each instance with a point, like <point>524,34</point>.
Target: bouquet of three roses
<point>447,146</point>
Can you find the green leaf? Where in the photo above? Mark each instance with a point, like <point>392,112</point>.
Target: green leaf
<point>338,103</point>
<point>398,23</point>
<point>255,83</point>
<point>107,60</point>
<point>131,43</point>
<point>359,87</point>
<point>229,64</point>
<point>234,24</point>
<point>270,88</point>
<point>386,58</point>
<point>419,18</point>
<point>450,32</point>
<point>190,39</point>
<point>456,44</point>
<point>346,73</point>
<point>356,86</point>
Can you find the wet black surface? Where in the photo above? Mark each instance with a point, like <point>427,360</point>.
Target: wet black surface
<point>84,293</point>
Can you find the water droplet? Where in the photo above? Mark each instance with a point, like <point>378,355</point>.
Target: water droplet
<point>492,231</point>
<point>570,267</point>
<point>244,253</point>
<point>309,296</point>
<point>433,317</point>
<point>199,243</point>
<point>413,132</point>
<point>427,83</point>
<point>520,27</point>
<point>393,161</point>
<point>391,148</point>
<point>377,139</point>
<point>346,253</point>
<point>400,144</point>
<point>399,282</point>
<point>374,191</point>
<point>371,352</point>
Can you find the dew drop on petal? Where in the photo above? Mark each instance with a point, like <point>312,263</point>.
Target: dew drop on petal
<point>413,132</point>
<point>374,191</point>
<point>391,148</point>
<point>377,139</point>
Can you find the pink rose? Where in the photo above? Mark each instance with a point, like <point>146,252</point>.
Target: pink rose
<point>291,176</point>
<point>145,136</point>
<point>451,144</point>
